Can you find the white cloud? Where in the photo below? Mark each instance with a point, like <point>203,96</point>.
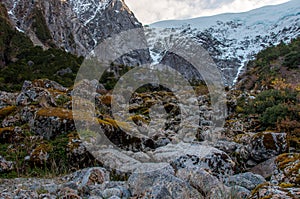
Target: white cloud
<point>151,11</point>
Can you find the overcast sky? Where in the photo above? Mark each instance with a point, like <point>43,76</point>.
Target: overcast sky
<point>149,11</point>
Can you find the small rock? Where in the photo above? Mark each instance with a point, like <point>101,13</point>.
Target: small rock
<point>5,166</point>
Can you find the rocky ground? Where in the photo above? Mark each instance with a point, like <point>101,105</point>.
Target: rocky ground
<point>43,156</point>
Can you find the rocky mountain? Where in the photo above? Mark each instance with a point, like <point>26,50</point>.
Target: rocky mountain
<point>74,25</point>
<point>231,39</point>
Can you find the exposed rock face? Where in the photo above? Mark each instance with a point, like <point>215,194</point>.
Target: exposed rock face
<point>76,26</point>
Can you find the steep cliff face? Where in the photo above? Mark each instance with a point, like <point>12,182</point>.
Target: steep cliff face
<point>76,26</point>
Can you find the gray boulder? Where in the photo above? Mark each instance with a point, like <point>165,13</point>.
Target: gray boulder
<point>247,180</point>
<point>160,184</point>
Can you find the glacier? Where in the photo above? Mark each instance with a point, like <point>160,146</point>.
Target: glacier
<point>234,36</point>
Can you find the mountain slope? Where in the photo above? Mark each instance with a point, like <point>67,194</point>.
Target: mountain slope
<point>74,25</point>
<point>231,39</point>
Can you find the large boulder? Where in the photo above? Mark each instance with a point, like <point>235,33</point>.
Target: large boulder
<point>160,184</point>
<point>32,94</point>
<point>187,155</point>
<point>202,180</point>
<point>247,180</point>
<point>265,169</point>
<point>50,122</point>
<point>266,145</point>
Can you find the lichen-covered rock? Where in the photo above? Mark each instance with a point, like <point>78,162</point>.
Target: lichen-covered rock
<point>110,189</point>
<point>32,94</point>
<point>240,192</point>
<point>287,169</point>
<point>160,184</point>
<point>67,192</point>
<point>247,180</point>
<point>266,145</point>
<point>186,155</point>
<point>87,177</point>
<point>268,190</point>
<point>7,99</point>
<point>116,160</point>
<point>49,84</point>
<point>50,122</point>
<point>40,154</point>
<point>202,180</point>
<point>5,166</point>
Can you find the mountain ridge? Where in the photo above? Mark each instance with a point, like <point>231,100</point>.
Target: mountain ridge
<point>231,39</point>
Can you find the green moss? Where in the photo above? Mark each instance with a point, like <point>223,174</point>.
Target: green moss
<point>62,100</point>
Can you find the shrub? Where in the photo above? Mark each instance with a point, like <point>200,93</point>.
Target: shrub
<point>292,60</point>
<point>274,114</point>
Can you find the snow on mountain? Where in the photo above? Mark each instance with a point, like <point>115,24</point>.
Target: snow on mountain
<point>231,39</point>
<point>86,10</point>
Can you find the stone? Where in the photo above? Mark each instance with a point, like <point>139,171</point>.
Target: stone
<point>266,145</point>
<point>268,190</point>
<point>5,166</point>
<point>64,71</point>
<point>287,169</point>
<point>90,176</point>
<point>247,180</point>
<point>201,180</point>
<point>159,184</point>
<point>240,192</point>
<point>49,84</point>
<point>265,169</point>
<point>50,122</point>
<point>107,193</point>
<point>32,94</point>
<point>187,155</point>
<point>7,99</point>
<point>116,160</point>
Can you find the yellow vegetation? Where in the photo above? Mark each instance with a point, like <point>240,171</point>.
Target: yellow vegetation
<point>56,112</point>
<point>137,118</point>
<point>6,129</point>
<point>7,111</point>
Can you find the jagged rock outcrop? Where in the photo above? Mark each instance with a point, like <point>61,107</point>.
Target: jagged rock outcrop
<point>76,26</point>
